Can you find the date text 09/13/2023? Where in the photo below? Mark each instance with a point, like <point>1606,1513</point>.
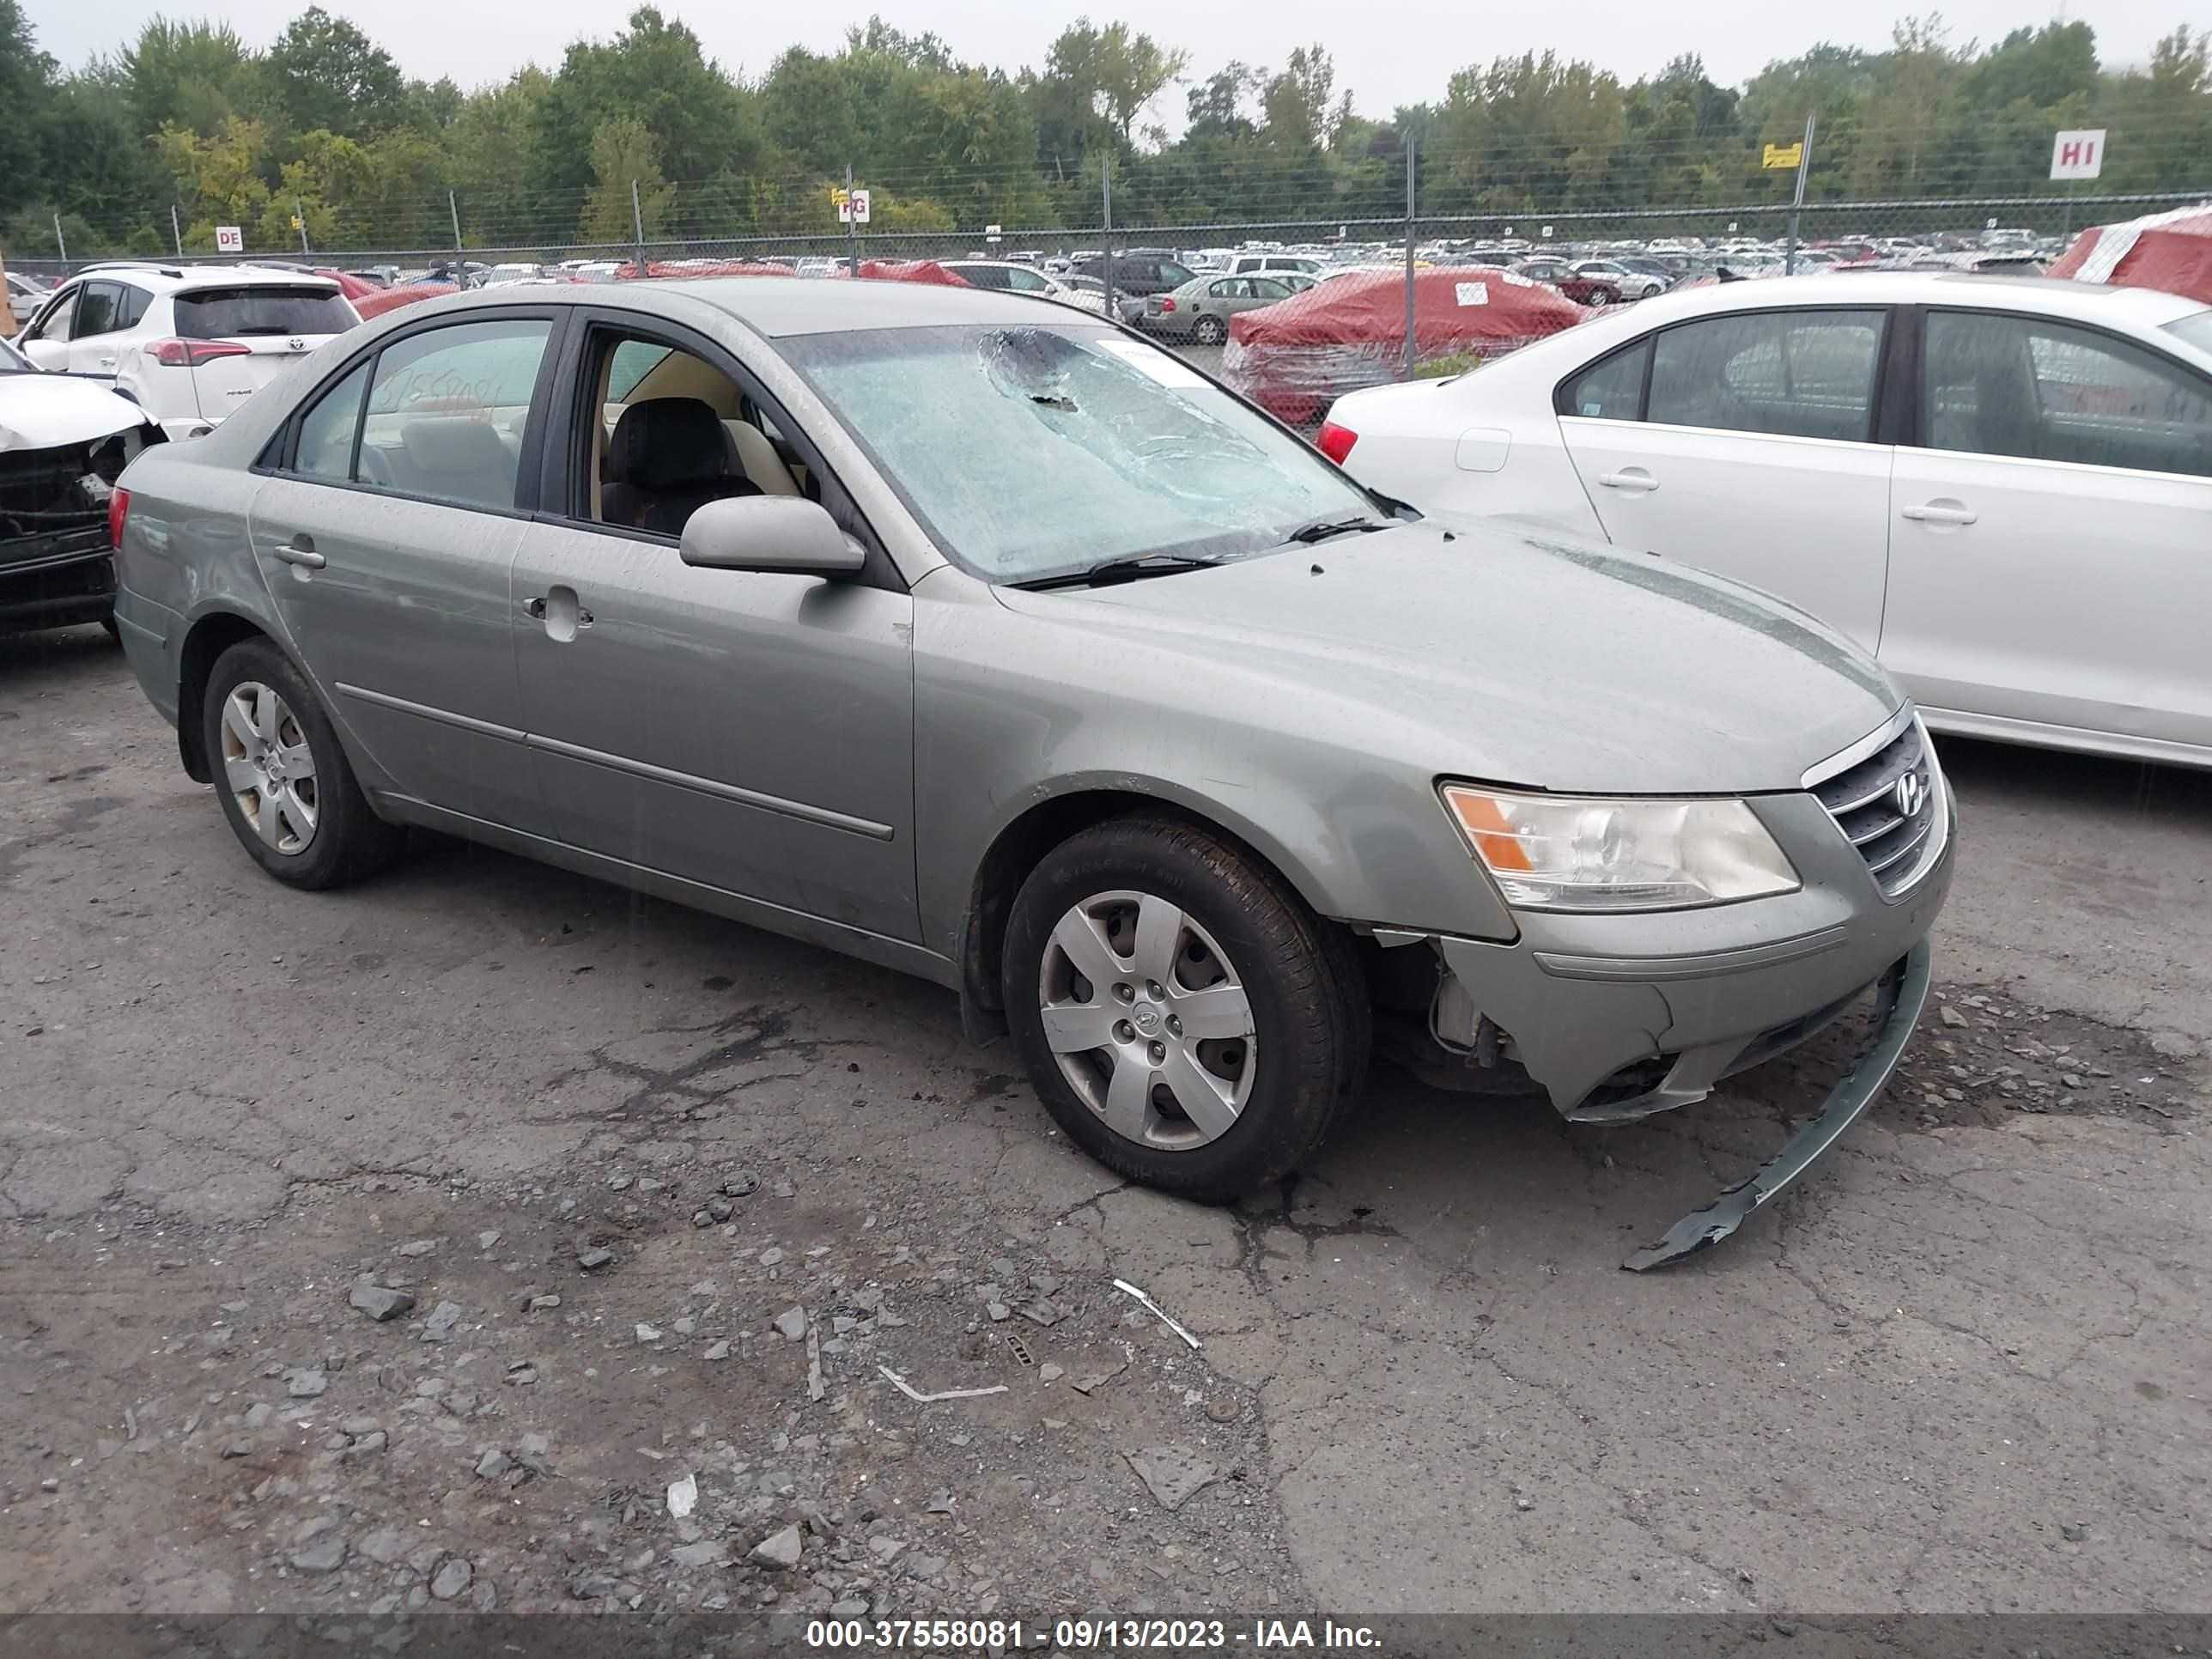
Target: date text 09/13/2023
<point>1092,1634</point>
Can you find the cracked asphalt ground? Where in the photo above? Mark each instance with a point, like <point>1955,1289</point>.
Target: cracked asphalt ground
<point>1964,1366</point>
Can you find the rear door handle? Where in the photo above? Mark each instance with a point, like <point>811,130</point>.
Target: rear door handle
<point>1631,478</point>
<point>301,550</point>
<point>1941,511</point>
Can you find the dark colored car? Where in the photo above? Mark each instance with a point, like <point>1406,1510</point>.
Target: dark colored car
<point>1139,271</point>
<point>1559,274</point>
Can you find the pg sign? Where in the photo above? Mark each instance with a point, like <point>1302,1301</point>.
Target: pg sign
<point>852,206</point>
<point>2079,153</point>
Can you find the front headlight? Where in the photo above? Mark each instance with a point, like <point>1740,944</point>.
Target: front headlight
<point>1581,853</point>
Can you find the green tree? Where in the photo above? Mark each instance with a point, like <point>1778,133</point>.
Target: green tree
<point>219,178</point>
<point>623,155</point>
<point>193,75</point>
<point>26,78</point>
<point>1297,102</point>
<point>654,73</point>
<point>329,75</point>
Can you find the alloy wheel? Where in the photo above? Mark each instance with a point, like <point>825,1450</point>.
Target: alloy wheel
<point>269,767</point>
<point>1148,1020</point>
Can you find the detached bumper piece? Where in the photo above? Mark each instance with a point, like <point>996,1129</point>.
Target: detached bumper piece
<point>1899,995</point>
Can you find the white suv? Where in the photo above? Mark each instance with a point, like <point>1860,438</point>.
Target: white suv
<point>187,344</point>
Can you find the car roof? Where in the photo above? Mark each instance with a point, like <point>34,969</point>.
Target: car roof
<point>779,306</point>
<point>179,279</point>
<point>2049,296</point>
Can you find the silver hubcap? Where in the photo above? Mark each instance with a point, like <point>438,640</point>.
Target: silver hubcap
<point>1148,1020</point>
<point>269,767</point>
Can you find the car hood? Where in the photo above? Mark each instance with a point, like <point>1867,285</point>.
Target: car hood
<point>1514,658</point>
<point>47,411</point>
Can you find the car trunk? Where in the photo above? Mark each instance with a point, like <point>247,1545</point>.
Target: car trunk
<point>243,336</point>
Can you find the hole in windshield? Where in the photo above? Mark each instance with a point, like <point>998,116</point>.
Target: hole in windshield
<point>1041,451</point>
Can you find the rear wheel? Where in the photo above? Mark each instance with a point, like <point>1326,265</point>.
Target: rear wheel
<point>1183,1016</point>
<point>1207,331</point>
<point>285,784</point>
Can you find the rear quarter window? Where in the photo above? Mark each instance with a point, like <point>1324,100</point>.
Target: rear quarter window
<point>226,314</point>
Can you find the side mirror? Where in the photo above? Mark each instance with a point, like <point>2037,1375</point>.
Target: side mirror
<point>772,533</point>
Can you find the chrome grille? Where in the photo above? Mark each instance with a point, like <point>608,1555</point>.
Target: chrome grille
<point>1890,806</point>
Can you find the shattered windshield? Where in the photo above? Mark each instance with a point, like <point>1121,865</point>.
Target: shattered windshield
<point>1036,450</point>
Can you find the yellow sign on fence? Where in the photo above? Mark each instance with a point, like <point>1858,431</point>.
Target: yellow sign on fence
<point>836,196</point>
<point>1783,155</point>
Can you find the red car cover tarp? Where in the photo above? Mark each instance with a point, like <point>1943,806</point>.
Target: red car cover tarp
<point>2172,251</point>
<point>1296,357</point>
<point>911,271</point>
<point>392,299</point>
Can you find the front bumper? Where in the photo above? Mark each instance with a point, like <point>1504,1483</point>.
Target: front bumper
<point>1899,996</point>
<point>1618,1017</point>
<point>56,580</point>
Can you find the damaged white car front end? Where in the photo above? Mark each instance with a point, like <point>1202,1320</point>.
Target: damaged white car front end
<point>64,442</point>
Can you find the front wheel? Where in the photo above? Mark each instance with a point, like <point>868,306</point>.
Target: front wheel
<point>1182,1014</point>
<point>285,784</point>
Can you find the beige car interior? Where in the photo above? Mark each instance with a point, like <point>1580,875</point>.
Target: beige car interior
<point>752,452</point>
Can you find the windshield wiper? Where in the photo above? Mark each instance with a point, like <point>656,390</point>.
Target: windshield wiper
<point>1121,570</point>
<point>1321,529</point>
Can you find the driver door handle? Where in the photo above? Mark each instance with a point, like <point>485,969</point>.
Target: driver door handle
<point>301,550</point>
<point>1634,479</point>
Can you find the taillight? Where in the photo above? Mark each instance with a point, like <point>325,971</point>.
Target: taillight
<point>118,509</point>
<point>1335,441</point>
<point>1167,304</point>
<point>191,354</point>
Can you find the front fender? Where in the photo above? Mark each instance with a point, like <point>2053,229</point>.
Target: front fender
<point>1361,836</point>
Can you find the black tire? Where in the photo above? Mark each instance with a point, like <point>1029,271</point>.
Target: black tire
<point>1208,331</point>
<point>1311,1020</point>
<point>108,626</point>
<point>349,841</point>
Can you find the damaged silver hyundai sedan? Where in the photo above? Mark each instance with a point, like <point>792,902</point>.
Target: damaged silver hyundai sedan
<point>973,638</point>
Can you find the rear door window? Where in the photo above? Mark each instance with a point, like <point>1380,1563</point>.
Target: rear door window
<point>448,409</point>
<point>233,313</point>
<point>1793,373</point>
<point>1610,389</point>
<point>327,431</point>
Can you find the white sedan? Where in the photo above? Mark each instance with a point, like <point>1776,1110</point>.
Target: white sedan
<point>2001,486</point>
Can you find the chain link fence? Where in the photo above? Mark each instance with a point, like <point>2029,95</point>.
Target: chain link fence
<point>1411,207</point>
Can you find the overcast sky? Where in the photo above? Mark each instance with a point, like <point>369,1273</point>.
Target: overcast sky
<point>1388,51</point>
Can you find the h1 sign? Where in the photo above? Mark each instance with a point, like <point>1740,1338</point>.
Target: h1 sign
<point>2079,153</point>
